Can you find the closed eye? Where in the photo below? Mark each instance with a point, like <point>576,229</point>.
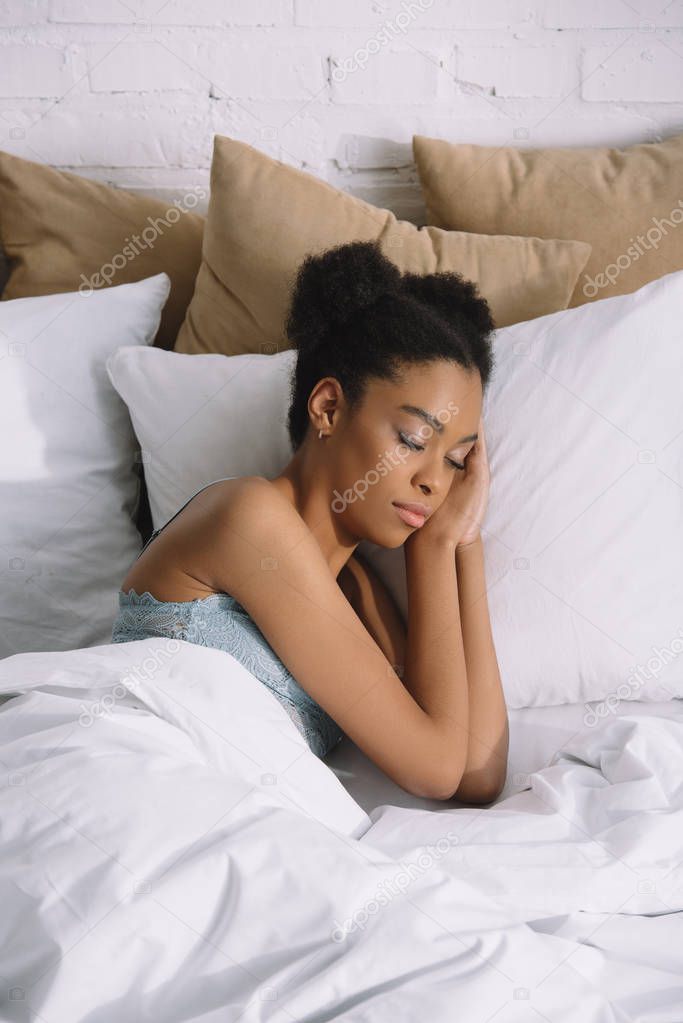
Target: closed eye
<point>418,447</point>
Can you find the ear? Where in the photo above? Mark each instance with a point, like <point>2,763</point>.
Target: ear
<point>323,402</point>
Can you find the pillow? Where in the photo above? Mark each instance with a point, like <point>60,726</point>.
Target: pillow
<point>4,271</point>
<point>199,418</point>
<point>63,232</point>
<point>582,536</point>
<point>265,216</point>
<point>625,202</point>
<point>68,491</point>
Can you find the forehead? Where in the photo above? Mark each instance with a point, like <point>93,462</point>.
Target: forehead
<point>437,387</point>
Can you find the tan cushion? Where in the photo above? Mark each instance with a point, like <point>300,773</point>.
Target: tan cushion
<point>265,216</point>
<point>627,202</point>
<point>59,229</point>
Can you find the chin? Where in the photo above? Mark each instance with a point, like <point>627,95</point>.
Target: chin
<point>371,532</point>
<point>387,541</point>
<point>401,540</point>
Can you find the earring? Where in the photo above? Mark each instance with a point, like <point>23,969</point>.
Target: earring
<point>320,432</point>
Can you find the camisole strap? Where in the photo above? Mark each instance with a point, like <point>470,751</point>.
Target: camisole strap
<point>156,532</point>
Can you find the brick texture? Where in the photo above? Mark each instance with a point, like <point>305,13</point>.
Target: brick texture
<point>133,92</point>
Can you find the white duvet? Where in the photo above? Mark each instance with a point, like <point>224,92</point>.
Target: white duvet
<point>172,851</point>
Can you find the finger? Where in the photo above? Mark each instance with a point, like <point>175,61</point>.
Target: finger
<point>482,432</point>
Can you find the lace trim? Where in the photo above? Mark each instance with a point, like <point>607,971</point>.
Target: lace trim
<point>146,598</point>
<point>203,620</point>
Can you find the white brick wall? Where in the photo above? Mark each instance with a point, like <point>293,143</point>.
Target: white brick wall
<point>132,92</point>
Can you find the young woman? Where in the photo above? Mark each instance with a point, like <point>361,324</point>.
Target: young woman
<point>388,438</point>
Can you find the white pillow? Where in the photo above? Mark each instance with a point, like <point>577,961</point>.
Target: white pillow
<point>583,535</point>
<point>201,417</point>
<point>69,493</point>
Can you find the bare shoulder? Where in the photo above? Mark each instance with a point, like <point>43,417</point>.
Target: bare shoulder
<point>257,522</point>
<point>181,562</point>
<point>254,504</point>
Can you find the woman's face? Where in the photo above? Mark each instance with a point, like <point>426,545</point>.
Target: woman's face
<point>387,451</point>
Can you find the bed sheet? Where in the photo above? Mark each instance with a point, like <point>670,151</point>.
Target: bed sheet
<point>536,735</point>
<point>170,853</point>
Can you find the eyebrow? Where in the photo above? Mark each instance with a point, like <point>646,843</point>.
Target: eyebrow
<point>415,410</point>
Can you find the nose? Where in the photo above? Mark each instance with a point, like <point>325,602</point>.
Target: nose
<point>431,484</point>
<point>432,476</point>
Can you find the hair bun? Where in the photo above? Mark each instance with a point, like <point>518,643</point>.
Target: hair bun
<point>452,296</point>
<point>332,286</point>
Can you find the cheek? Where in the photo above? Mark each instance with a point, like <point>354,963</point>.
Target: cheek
<point>370,467</point>
<point>386,481</point>
<point>362,450</point>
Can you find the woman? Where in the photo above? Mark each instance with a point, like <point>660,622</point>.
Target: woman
<point>386,427</point>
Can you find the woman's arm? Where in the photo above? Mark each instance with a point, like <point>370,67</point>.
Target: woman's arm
<point>434,646</point>
<point>435,670</point>
<point>476,699</point>
<point>487,751</point>
<point>486,766</point>
<point>376,608</point>
<point>274,567</point>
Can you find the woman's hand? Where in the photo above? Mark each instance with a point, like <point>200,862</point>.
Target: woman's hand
<point>458,519</point>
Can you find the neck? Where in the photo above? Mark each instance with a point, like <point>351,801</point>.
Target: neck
<point>305,483</point>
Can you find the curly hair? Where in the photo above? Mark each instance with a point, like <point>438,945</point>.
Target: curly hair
<point>354,316</point>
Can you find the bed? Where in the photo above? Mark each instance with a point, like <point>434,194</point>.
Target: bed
<point>536,735</point>
<point>172,854</point>
<point>171,848</point>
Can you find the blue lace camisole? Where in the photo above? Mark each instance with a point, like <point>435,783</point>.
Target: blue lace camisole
<point>220,621</point>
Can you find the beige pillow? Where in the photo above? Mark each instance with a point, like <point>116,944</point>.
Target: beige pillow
<point>265,216</point>
<point>628,203</point>
<point>62,232</point>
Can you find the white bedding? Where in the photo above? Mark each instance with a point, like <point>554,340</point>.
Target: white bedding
<point>536,735</point>
<point>172,851</point>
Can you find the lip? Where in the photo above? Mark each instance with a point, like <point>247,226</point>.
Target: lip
<point>413,514</point>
